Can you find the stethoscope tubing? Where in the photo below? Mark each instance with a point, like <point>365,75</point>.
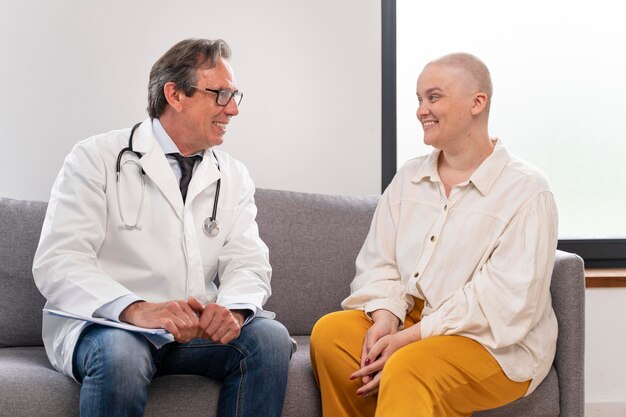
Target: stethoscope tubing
<point>210,225</point>
<point>129,148</point>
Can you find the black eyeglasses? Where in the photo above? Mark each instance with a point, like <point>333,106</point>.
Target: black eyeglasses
<point>223,97</point>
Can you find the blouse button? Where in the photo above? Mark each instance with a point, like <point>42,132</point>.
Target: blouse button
<point>417,274</point>
<point>433,238</point>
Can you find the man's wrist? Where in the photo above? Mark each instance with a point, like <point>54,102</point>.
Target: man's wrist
<point>126,314</point>
<point>240,315</point>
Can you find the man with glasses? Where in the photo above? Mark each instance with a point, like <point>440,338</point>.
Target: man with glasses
<point>139,225</point>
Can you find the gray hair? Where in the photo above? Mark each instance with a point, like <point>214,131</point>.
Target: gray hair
<point>180,65</point>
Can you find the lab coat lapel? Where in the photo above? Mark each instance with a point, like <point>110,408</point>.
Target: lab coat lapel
<point>155,164</point>
<point>205,174</point>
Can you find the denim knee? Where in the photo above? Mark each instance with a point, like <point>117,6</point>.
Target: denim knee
<point>112,353</point>
<point>267,341</point>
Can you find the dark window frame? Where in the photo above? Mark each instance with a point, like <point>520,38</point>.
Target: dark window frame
<point>597,253</point>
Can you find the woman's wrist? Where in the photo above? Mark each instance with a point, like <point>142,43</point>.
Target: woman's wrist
<point>382,315</point>
<point>412,334</point>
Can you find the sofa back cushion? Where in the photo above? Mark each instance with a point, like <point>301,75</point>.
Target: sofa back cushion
<point>313,240</point>
<point>20,300</point>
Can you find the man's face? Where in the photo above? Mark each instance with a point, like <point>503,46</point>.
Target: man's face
<point>204,119</point>
<point>445,97</point>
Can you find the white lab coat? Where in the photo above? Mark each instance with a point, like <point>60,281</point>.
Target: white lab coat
<point>86,257</point>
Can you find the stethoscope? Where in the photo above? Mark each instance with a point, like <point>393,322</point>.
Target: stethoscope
<point>210,225</point>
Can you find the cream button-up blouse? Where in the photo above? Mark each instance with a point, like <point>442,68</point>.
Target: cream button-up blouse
<point>481,259</point>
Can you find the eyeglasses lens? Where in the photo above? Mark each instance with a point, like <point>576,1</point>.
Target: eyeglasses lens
<point>224,97</point>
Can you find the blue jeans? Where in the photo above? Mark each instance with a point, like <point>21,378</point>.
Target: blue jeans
<point>115,368</point>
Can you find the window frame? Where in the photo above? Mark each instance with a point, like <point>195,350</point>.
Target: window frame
<point>597,253</point>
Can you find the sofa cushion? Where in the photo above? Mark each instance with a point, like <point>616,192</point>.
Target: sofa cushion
<point>313,240</point>
<point>20,300</point>
<point>37,389</point>
<point>543,402</point>
<point>31,387</point>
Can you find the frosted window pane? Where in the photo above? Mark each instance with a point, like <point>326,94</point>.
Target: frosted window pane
<point>559,71</point>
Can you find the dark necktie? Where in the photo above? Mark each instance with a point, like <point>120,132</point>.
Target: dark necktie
<point>186,164</point>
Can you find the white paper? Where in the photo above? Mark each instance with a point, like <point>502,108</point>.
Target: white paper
<point>163,336</point>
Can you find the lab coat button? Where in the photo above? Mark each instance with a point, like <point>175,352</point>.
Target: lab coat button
<point>433,238</point>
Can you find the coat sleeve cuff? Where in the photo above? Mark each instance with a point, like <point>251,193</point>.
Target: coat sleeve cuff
<point>113,309</point>
<point>428,326</point>
<point>394,307</point>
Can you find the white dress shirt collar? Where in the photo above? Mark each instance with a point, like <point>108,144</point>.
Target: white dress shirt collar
<point>163,139</point>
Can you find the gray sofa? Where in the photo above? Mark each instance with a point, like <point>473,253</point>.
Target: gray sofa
<point>313,241</point>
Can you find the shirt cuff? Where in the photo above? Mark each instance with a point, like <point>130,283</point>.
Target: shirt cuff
<point>428,326</point>
<point>384,304</point>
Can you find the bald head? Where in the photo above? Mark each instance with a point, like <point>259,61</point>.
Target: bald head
<point>476,73</point>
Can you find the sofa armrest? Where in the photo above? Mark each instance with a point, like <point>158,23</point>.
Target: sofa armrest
<point>568,300</point>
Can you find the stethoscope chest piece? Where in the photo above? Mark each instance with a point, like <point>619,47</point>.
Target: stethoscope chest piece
<point>211,227</point>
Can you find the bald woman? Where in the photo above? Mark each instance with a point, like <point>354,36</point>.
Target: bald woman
<point>450,310</point>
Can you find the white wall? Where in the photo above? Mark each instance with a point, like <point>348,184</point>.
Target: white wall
<point>74,68</point>
<point>605,336</point>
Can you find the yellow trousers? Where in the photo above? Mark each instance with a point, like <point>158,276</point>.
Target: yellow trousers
<point>443,376</point>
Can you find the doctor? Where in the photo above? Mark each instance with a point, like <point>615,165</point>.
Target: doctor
<point>141,240</point>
